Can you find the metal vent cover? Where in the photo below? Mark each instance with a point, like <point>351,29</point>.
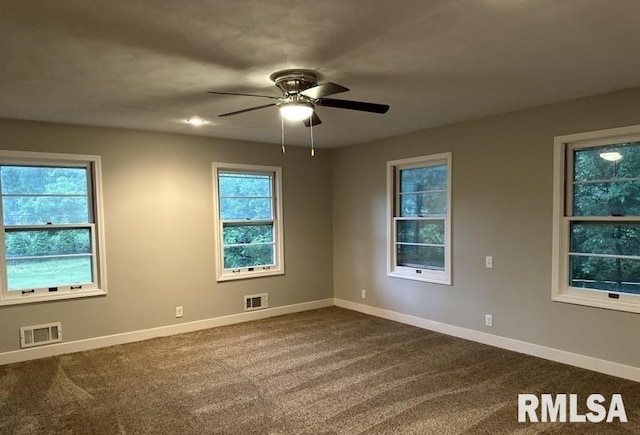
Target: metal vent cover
<point>256,302</point>
<point>38,335</point>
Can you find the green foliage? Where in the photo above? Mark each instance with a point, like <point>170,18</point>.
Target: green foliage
<point>39,195</point>
<point>424,178</point>
<point>426,257</point>
<point>20,180</point>
<point>606,188</point>
<point>36,196</point>
<point>248,256</point>
<point>423,191</point>
<point>421,231</point>
<point>244,184</point>
<point>29,243</point>
<point>234,234</point>
<point>245,198</point>
<point>245,208</point>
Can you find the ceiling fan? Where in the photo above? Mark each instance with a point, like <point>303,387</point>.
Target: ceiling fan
<point>301,93</point>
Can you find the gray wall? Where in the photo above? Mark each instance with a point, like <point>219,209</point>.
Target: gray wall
<point>502,206</point>
<point>159,229</point>
<point>158,204</point>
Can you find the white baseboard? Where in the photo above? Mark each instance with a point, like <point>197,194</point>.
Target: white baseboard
<point>561,356</point>
<point>578,360</point>
<point>163,331</point>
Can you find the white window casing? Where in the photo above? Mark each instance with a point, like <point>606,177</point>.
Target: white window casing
<point>573,284</point>
<point>419,219</point>
<point>254,244</point>
<point>43,271</point>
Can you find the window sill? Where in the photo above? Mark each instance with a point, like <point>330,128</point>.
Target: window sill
<point>598,299</point>
<point>34,298</point>
<point>248,275</point>
<point>434,279</point>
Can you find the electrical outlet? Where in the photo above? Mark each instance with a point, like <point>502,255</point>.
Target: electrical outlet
<point>488,320</point>
<point>363,294</point>
<point>178,311</point>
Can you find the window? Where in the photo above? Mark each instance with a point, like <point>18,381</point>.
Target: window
<point>419,198</point>
<point>596,251</point>
<point>52,230</point>
<point>248,210</point>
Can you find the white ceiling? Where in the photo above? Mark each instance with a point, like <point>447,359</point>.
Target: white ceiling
<point>148,64</point>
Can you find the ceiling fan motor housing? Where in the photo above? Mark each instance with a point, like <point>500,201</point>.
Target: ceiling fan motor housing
<point>294,81</point>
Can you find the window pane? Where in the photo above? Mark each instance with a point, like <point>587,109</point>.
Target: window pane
<point>231,184</point>
<point>43,180</point>
<point>236,257</point>
<point>616,161</point>
<point>39,210</point>
<point>607,199</point>
<point>423,257</point>
<point>245,208</point>
<point>30,273</point>
<point>605,238</point>
<point>236,234</point>
<point>32,243</point>
<point>421,231</point>
<point>608,274</point>
<point>427,178</point>
<point>425,204</point>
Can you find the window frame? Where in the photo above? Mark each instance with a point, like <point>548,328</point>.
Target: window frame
<point>417,274</point>
<point>275,173</point>
<point>561,291</point>
<point>98,287</point>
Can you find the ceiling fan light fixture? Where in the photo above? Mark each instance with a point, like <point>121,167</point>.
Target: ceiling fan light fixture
<point>296,111</point>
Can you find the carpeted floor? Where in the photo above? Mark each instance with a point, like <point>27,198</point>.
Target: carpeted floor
<point>327,371</point>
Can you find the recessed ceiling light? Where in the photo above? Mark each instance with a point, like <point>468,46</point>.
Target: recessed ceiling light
<point>196,121</point>
<point>611,156</point>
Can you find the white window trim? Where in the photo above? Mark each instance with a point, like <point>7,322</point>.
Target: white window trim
<point>560,289</point>
<point>223,274</point>
<point>99,287</point>
<point>425,275</point>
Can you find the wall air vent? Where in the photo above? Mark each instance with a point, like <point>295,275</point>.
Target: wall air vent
<point>256,302</point>
<point>38,335</point>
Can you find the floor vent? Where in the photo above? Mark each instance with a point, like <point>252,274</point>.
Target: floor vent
<point>38,335</point>
<point>256,302</point>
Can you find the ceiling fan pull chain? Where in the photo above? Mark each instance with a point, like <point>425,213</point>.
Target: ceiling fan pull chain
<point>313,151</point>
<point>282,141</point>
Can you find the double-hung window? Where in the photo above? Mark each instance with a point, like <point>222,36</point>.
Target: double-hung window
<point>52,228</point>
<point>248,211</point>
<point>596,250</point>
<point>419,204</point>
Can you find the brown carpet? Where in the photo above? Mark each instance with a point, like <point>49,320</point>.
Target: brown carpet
<point>327,371</point>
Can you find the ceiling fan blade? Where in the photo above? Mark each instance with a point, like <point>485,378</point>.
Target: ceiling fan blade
<point>243,95</point>
<point>323,90</point>
<point>247,110</point>
<point>353,105</point>
<point>313,120</point>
